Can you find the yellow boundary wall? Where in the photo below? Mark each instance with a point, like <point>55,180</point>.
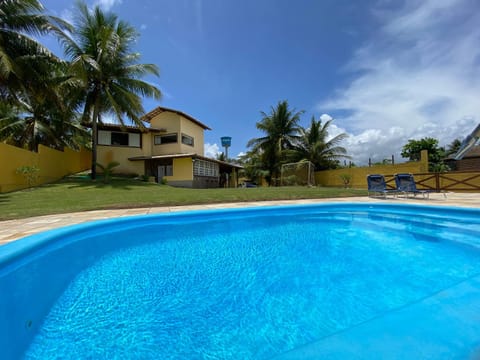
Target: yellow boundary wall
<point>358,175</point>
<point>52,164</point>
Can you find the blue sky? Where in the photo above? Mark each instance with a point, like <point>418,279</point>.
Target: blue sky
<point>385,71</point>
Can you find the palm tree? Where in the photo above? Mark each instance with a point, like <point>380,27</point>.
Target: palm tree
<point>34,108</point>
<point>281,133</point>
<point>253,168</point>
<point>453,147</point>
<point>103,62</point>
<point>43,113</point>
<point>19,19</point>
<point>33,124</point>
<point>314,146</point>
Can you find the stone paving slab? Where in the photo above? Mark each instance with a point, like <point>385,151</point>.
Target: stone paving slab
<point>15,229</point>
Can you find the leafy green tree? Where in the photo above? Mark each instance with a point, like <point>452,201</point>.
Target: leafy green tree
<point>346,178</point>
<point>34,110</point>
<point>453,147</point>
<point>30,173</point>
<point>46,114</point>
<point>107,70</point>
<point>314,146</point>
<point>281,133</point>
<point>19,52</point>
<point>108,170</point>
<point>413,148</point>
<point>31,127</point>
<point>253,168</point>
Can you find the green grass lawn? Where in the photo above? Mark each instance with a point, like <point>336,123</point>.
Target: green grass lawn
<point>79,194</point>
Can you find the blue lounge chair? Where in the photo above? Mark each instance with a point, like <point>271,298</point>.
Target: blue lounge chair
<point>406,184</point>
<point>378,186</point>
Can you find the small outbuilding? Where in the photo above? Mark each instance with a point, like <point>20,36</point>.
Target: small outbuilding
<point>467,157</point>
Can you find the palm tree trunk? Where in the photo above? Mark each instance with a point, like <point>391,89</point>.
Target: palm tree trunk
<point>96,114</point>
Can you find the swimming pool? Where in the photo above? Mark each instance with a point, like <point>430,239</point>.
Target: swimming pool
<point>276,282</point>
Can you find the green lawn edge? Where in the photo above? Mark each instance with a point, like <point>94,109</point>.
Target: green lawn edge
<point>74,194</point>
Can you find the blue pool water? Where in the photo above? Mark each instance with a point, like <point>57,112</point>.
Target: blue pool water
<point>235,284</point>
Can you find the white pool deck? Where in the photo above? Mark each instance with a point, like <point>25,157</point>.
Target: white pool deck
<point>11,230</point>
<point>444,325</point>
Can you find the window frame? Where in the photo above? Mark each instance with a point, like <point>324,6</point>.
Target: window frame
<point>188,137</point>
<point>165,135</point>
<point>123,135</point>
<point>205,168</point>
<point>105,138</point>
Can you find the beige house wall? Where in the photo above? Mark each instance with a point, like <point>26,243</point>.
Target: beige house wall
<point>191,129</point>
<point>166,120</point>
<point>147,143</point>
<point>182,170</point>
<point>175,123</point>
<point>358,175</point>
<point>107,154</point>
<point>171,122</point>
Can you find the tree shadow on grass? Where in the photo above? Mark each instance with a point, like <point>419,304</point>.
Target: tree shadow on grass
<point>114,183</point>
<point>4,198</point>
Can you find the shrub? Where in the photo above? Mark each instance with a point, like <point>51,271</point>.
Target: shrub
<point>30,173</point>
<point>108,170</point>
<point>346,179</point>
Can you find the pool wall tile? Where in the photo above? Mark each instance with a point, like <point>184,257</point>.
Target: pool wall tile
<point>444,326</point>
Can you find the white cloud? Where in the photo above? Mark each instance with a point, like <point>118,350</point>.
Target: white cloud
<point>165,94</point>
<point>211,150</point>
<point>107,4</point>
<point>67,15</point>
<point>325,117</point>
<point>420,16</point>
<point>419,77</point>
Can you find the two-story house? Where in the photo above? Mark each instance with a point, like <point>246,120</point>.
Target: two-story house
<point>170,148</point>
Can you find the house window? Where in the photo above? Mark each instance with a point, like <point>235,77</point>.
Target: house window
<point>205,168</point>
<point>134,140</point>
<point>104,137</point>
<point>164,170</point>
<point>165,139</point>
<point>119,138</point>
<point>187,140</point>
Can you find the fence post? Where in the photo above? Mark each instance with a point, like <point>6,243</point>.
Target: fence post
<point>437,182</point>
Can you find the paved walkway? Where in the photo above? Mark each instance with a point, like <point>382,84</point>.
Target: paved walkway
<point>14,229</point>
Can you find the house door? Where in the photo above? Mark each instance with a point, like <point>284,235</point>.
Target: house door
<point>161,172</point>
<point>164,170</point>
